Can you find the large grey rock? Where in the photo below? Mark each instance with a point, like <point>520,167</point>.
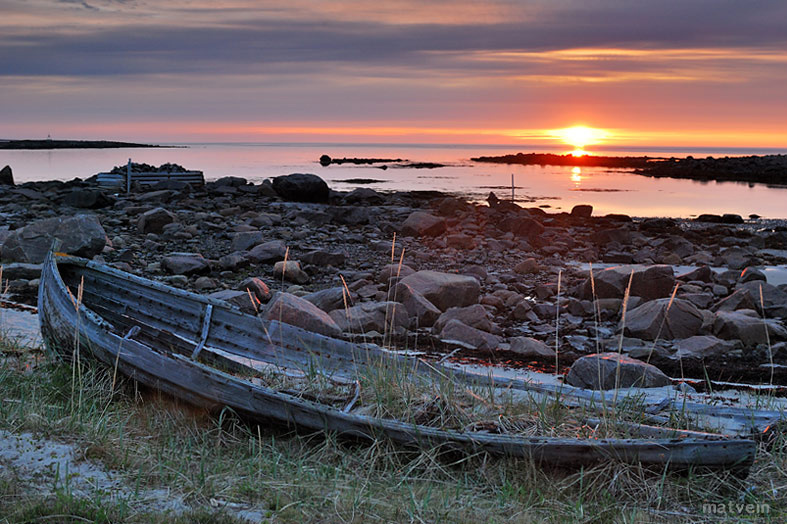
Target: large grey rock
<point>474,316</point>
<point>320,257</point>
<point>328,299</point>
<point>748,327</point>
<point>703,347</point>
<point>423,312</point>
<point>773,298</point>
<point>239,299</point>
<point>458,332</point>
<point>154,220</point>
<point>445,290</point>
<point>267,252</point>
<point>185,264</point>
<point>531,348</point>
<point>392,270</point>
<point>420,224</point>
<point>301,187</point>
<point>80,235</point>
<point>20,270</point>
<point>599,371</point>
<point>246,240</point>
<point>290,271</point>
<point>381,317</point>
<point>87,199</point>
<point>288,308</point>
<point>659,318</point>
<point>6,176</point>
<point>649,283</point>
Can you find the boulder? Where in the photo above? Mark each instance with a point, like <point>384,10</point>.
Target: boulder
<point>154,220</point>
<point>464,335</point>
<point>185,264</point>
<point>87,199</point>
<point>582,211</point>
<point>701,274</point>
<point>739,299</point>
<point>328,299</point>
<point>320,257</point>
<point>381,317</point>
<point>660,319</point>
<point>80,235</point>
<point>474,316</point>
<point>649,283</point>
<point>290,271</point>
<point>444,290</point>
<point>599,371</point>
<point>531,348</point>
<point>703,347</point>
<point>239,299</point>
<point>6,176</point>
<point>748,327</point>
<point>527,266</point>
<point>301,187</point>
<point>423,312</point>
<point>420,224</point>
<point>246,240</point>
<point>267,252</point>
<point>20,270</point>
<point>293,310</point>
<point>258,289</point>
<point>393,270</point>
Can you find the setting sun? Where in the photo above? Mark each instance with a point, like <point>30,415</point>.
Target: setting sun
<point>580,136</point>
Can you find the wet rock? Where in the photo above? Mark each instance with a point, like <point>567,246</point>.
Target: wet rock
<point>301,187</point>
<point>747,326</point>
<point>329,299</point>
<point>80,235</point>
<point>474,316</point>
<point>599,371</point>
<point>420,224</point>
<point>703,347</point>
<point>423,312</point>
<point>321,257</point>
<point>258,289</point>
<point>290,271</point>
<point>267,252</point>
<point>445,290</point>
<point>6,176</point>
<point>531,348</point>
<point>381,317</point>
<point>364,195</point>
<point>185,264</point>
<point>659,318</point>
<point>458,332</point>
<point>287,308</point>
<point>154,220</point>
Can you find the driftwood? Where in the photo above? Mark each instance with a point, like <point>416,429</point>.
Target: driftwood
<point>150,331</point>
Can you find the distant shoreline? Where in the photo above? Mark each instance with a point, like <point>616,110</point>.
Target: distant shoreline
<point>71,144</point>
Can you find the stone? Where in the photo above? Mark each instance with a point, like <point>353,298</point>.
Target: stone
<point>649,283</point>
<point>321,257</point>
<point>701,274</point>
<point>418,308</point>
<point>738,299</point>
<point>290,271</point>
<point>258,289</point>
<point>445,290</point>
<point>735,257</point>
<point>246,240</point>
<point>80,235</point>
<point>702,347</point>
<point>420,224</point>
<point>527,267</point>
<point>231,181</point>
<point>203,283</point>
<point>392,271</point>
<point>751,274</point>
<point>474,316</point>
<point>20,270</point>
<point>301,187</point>
<point>185,264</point>
<point>6,176</point>
<point>233,261</point>
<point>381,317</point>
<point>660,319</point>
<point>460,241</point>
<point>293,310</point>
<point>464,335</point>
<point>154,220</point>
<point>329,299</point>
<point>582,211</point>
<point>748,327</point>
<point>268,252</point>
<point>87,199</point>
<point>531,348</point>
<point>599,372</point>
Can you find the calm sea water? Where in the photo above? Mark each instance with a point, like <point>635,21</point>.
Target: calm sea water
<point>560,188</point>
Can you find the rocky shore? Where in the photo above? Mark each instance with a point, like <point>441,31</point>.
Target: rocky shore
<point>68,144</point>
<point>490,282</point>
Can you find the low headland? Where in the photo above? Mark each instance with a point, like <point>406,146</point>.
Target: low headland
<point>70,144</point>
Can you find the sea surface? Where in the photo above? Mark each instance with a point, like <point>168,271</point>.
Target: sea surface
<point>553,187</point>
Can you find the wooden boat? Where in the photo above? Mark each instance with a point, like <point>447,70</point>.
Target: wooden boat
<point>186,345</point>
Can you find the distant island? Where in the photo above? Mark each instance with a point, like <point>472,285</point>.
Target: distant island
<point>68,144</point>
<point>765,169</point>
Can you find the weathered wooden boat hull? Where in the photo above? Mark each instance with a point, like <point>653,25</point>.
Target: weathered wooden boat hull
<point>172,323</point>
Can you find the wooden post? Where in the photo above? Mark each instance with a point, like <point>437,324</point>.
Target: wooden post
<point>128,176</point>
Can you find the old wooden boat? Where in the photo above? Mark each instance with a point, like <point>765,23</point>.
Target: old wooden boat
<point>207,352</point>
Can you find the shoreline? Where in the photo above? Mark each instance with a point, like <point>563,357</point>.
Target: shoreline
<point>44,144</point>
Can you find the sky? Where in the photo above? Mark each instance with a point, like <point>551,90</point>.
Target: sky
<point>667,73</point>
